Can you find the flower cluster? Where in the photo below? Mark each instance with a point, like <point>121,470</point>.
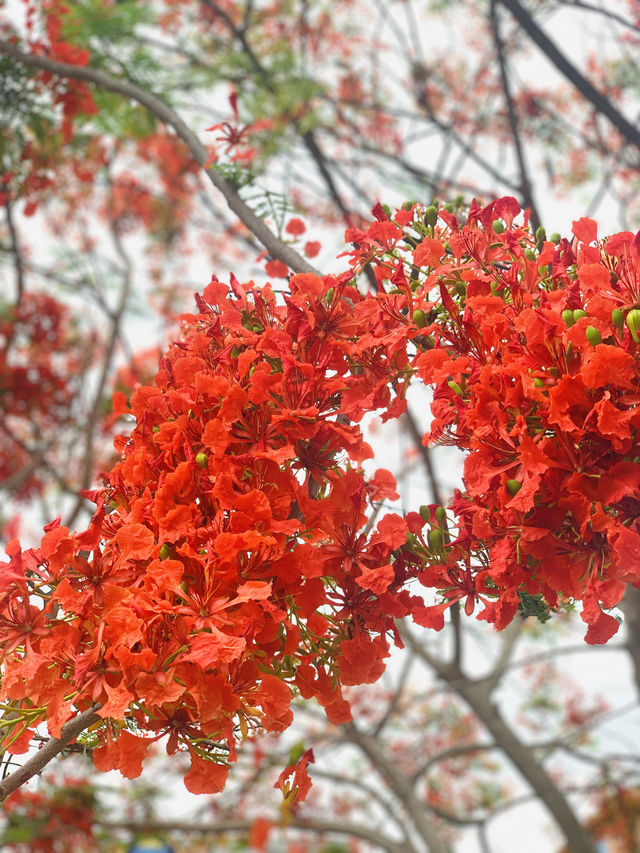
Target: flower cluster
<point>229,560</point>
<point>531,346</point>
<point>236,554</point>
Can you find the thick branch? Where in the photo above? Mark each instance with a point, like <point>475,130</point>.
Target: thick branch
<point>53,747</point>
<point>370,791</point>
<point>401,785</point>
<point>527,192</point>
<point>630,606</point>
<point>218,827</point>
<point>17,256</point>
<point>599,101</point>
<point>169,117</point>
<point>477,695</point>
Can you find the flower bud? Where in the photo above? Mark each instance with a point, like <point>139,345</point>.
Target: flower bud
<point>617,318</point>
<point>431,215</point>
<point>633,322</point>
<point>567,316</point>
<point>578,313</point>
<point>165,551</point>
<point>420,318</point>
<point>593,336</point>
<point>203,460</point>
<point>555,237</point>
<point>435,540</point>
<point>498,226</point>
<point>441,514</point>
<point>513,487</point>
<point>425,512</point>
<point>530,254</point>
<point>541,234</point>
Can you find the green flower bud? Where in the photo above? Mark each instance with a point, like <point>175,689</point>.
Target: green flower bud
<point>425,512</point>
<point>593,336</point>
<point>498,226</point>
<point>203,460</point>
<point>156,429</point>
<point>578,313</point>
<point>387,210</point>
<point>541,235</point>
<point>420,318</point>
<point>431,215</point>
<point>441,514</point>
<point>435,540</point>
<point>633,322</point>
<point>513,487</point>
<point>530,254</point>
<point>555,237</point>
<point>165,551</point>
<point>567,316</point>
<point>455,387</point>
<point>617,318</point>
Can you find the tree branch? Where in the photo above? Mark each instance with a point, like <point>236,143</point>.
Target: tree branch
<point>316,825</point>
<point>401,785</point>
<point>169,117</point>
<point>477,695</point>
<point>53,747</point>
<point>598,100</point>
<point>630,606</point>
<point>15,249</point>
<point>527,192</point>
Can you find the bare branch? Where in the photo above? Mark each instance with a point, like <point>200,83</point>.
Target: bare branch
<point>401,785</point>
<point>527,192</point>
<point>316,825</point>
<point>630,606</point>
<point>607,13</point>
<point>477,695</point>
<point>509,638</point>
<point>53,747</point>
<point>598,100</point>
<point>15,250</point>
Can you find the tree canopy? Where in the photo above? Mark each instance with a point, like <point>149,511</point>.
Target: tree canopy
<point>244,546</point>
